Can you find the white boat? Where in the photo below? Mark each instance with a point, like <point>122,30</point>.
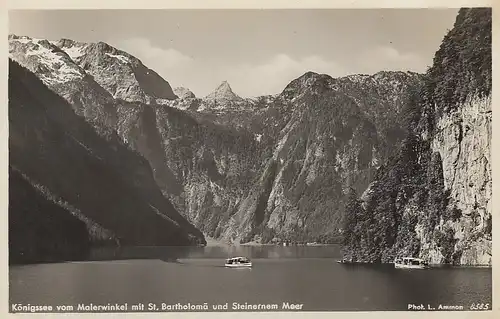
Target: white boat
<point>238,262</point>
<point>410,263</point>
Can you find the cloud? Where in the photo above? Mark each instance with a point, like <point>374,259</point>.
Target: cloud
<point>154,57</point>
<point>389,59</point>
<point>269,76</point>
<point>272,76</point>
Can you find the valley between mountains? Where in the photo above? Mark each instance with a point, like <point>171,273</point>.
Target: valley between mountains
<point>106,152</point>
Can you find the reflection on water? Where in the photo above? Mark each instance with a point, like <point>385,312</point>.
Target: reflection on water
<point>219,252</point>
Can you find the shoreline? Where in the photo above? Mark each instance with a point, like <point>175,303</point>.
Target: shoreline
<point>211,242</point>
<point>431,266</point>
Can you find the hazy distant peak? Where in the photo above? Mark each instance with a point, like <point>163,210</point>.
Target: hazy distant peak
<point>184,93</point>
<point>223,92</point>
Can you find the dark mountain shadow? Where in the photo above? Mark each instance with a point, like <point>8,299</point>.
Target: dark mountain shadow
<point>102,178</point>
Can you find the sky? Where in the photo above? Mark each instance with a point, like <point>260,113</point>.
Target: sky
<point>257,51</point>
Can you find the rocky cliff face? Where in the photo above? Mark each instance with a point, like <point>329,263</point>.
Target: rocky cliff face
<point>462,136</point>
<point>322,140</point>
<point>433,200</point>
<point>98,180</point>
<point>463,140</point>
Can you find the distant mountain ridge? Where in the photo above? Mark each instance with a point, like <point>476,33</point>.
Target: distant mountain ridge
<point>119,73</point>
<point>221,101</point>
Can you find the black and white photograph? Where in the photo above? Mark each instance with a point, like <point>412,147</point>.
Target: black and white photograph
<point>250,160</point>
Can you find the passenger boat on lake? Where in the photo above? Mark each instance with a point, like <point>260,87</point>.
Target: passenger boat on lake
<point>410,263</point>
<point>238,262</point>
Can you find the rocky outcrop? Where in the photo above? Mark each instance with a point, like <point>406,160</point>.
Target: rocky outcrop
<point>433,199</point>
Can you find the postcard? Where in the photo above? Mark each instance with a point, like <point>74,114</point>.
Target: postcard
<point>288,160</point>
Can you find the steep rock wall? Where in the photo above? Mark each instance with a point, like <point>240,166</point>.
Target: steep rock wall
<point>463,139</point>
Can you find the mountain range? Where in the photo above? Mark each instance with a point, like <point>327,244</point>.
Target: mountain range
<point>107,140</point>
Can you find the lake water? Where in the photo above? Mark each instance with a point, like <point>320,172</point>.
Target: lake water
<point>193,276</point>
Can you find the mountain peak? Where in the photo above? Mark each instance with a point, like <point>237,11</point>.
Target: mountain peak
<point>223,92</point>
<point>184,93</point>
<point>224,87</point>
<point>308,81</point>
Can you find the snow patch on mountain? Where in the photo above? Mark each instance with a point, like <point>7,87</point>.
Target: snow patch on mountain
<point>121,74</point>
<point>74,49</point>
<point>74,52</point>
<point>46,60</point>
<point>120,57</point>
